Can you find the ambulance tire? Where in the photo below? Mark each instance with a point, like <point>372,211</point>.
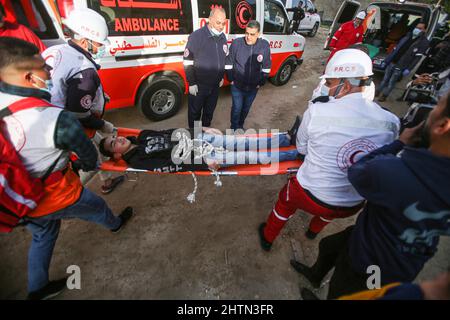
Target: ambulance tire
<point>284,74</point>
<point>160,99</point>
<point>314,30</point>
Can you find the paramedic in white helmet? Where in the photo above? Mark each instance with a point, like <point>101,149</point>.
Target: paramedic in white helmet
<point>334,133</point>
<point>77,86</point>
<point>350,33</point>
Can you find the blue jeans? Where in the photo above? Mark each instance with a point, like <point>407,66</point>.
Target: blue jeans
<point>245,150</point>
<point>45,230</point>
<point>242,101</point>
<point>391,76</point>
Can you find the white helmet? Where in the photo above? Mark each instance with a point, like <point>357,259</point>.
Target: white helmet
<point>361,15</point>
<point>349,63</point>
<point>88,24</point>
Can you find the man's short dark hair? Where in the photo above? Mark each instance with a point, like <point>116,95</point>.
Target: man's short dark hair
<point>14,51</point>
<point>424,23</point>
<point>253,24</point>
<point>103,151</point>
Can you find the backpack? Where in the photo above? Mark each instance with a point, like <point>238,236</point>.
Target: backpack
<point>19,192</point>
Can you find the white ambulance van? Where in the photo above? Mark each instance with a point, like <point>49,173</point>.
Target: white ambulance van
<point>144,64</point>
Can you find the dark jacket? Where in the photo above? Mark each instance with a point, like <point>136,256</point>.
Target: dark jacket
<point>415,52</point>
<point>408,210</point>
<point>153,152</point>
<point>248,66</point>
<point>204,58</point>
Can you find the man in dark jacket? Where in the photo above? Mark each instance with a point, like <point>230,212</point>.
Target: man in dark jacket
<point>248,67</point>
<point>298,16</point>
<point>411,49</point>
<point>408,208</point>
<point>204,64</point>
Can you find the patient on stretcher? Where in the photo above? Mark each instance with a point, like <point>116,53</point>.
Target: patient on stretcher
<point>177,150</point>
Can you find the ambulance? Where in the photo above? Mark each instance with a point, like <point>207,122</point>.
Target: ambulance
<point>143,66</point>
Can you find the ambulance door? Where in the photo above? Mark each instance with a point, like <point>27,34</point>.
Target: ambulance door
<point>143,65</point>
<point>286,48</point>
<point>39,16</point>
<point>346,12</point>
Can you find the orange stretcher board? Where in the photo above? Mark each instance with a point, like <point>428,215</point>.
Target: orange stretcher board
<point>285,167</point>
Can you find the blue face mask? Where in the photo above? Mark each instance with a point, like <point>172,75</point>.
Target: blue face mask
<point>48,84</point>
<point>217,33</point>
<point>101,51</point>
<point>416,32</point>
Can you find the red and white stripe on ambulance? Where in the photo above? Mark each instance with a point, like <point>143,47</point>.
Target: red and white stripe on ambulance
<point>148,38</point>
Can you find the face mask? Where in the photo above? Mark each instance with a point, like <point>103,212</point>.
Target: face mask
<point>416,32</point>
<point>48,84</point>
<point>325,91</point>
<point>101,51</point>
<point>215,32</point>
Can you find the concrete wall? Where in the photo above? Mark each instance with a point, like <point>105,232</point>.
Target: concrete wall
<point>330,7</point>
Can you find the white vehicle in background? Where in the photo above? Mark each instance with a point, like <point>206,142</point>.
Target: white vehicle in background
<point>311,23</point>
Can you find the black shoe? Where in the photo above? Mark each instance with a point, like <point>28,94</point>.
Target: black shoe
<point>382,98</point>
<point>306,272</point>
<point>265,245</point>
<point>293,131</point>
<point>308,294</point>
<point>51,290</point>
<point>124,216</point>
<point>310,235</point>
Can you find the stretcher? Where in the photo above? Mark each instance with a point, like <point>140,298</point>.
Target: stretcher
<point>285,167</point>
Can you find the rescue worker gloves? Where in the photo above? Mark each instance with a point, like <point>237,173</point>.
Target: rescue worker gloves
<point>193,90</point>
<point>88,24</point>
<point>108,127</point>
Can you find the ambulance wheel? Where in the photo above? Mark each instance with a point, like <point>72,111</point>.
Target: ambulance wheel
<point>313,32</point>
<point>160,99</point>
<point>284,74</point>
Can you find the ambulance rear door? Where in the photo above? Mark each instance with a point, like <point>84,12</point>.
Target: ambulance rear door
<point>346,12</point>
<point>38,15</point>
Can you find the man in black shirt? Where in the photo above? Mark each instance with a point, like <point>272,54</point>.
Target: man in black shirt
<point>173,150</point>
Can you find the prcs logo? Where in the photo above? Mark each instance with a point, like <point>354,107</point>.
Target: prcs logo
<point>244,14</point>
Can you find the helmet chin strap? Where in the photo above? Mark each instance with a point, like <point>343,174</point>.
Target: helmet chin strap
<point>339,88</point>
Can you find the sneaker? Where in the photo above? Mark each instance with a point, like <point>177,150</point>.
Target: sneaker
<point>382,98</point>
<point>293,131</point>
<point>265,245</point>
<point>306,272</point>
<point>124,216</point>
<point>308,294</point>
<point>310,235</point>
<point>50,290</point>
<point>114,183</point>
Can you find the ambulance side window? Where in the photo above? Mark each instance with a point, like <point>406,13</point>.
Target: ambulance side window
<point>241,14</point>
<point>33,15</point>
<point>145,18</point>
<point>275,20</point>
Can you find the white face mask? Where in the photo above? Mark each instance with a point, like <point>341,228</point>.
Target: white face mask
<point>325,91</point>
<point>48,84</point>
<point>416,32</point>
<point>217,33</point>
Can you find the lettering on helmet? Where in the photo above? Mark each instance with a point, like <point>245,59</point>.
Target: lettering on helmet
<point>345,69</point>
<point>90,31</point>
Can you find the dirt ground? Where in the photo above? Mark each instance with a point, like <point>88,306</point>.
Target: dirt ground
<point>207,250</point>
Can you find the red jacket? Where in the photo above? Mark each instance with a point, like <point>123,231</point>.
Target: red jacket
<point>346,36</point>
<point>20,31</point>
